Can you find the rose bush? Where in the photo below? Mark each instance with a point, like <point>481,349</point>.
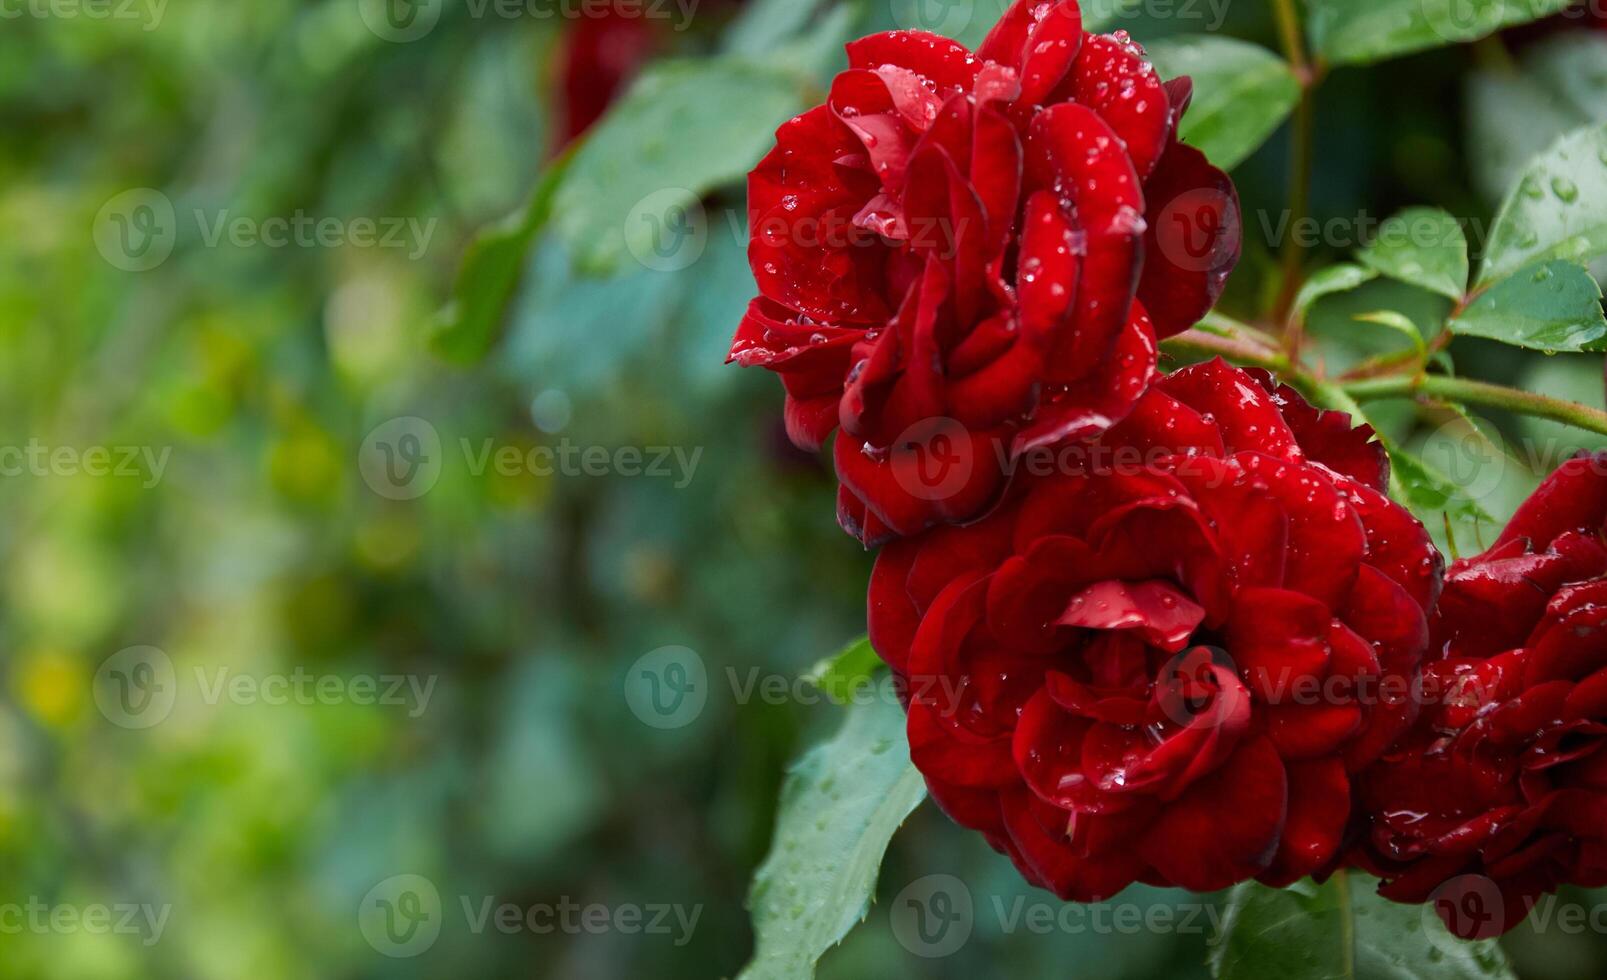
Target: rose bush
<point>975,254</point>
<point>1165,664</point>
<point>1505,776</point>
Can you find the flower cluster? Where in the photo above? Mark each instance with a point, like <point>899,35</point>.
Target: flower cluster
<point>1499,794</point>
<point>1157,627</point>
<point>1167,673</point>
<point>974,254</point>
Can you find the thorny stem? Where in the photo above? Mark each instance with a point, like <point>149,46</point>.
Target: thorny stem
<point>1239,350</point>
<point>1407,375</point>
<point>1479,393</point>
<point>1243,347</point>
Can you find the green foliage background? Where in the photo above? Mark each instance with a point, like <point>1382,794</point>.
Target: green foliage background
<point>527,598</point>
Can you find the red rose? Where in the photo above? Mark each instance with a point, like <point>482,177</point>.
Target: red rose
<point>1162,666</point>
<point>962,257</point>
<point>1500,793</point>
<point>597,57</point>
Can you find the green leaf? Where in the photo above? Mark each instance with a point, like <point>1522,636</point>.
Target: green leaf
<point>472,320</point>
<point>1553,306</point>
<point>1426,491</point>
<point>765,25</point>
<point>1514,116</point>
<point>1573,64</point>
<point>1242,92</point>
<point>839,808</point>
<point>1361,31</point>
<point>1340,278</point>
<point>1511,119</point>
<point>1557,210</point>
<point>1423,247</point>
<point>1342,930</point>
<point>792,35</point>
<point>1399,322</point>
<point>847,673</point>
<point>684,129</point>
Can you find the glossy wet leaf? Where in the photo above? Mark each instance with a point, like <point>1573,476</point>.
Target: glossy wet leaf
<point>764,25</point>
<point>839,808</point>
<point>684,129</point>
<point>1556,210</point>
<point>1424,247</point>
<point>1361,31</point>
<point>1334,279</point>
<point>1242,93</point>
<point>1398,322</point>
<point>1552,306</point>
<point>1427,491</point>
<point>793,35</point>
<point>1342,930</point>
<point>846,675</point>
<point>470,324</point>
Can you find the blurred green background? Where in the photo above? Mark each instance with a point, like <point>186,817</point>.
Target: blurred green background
<point>276,647</point>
